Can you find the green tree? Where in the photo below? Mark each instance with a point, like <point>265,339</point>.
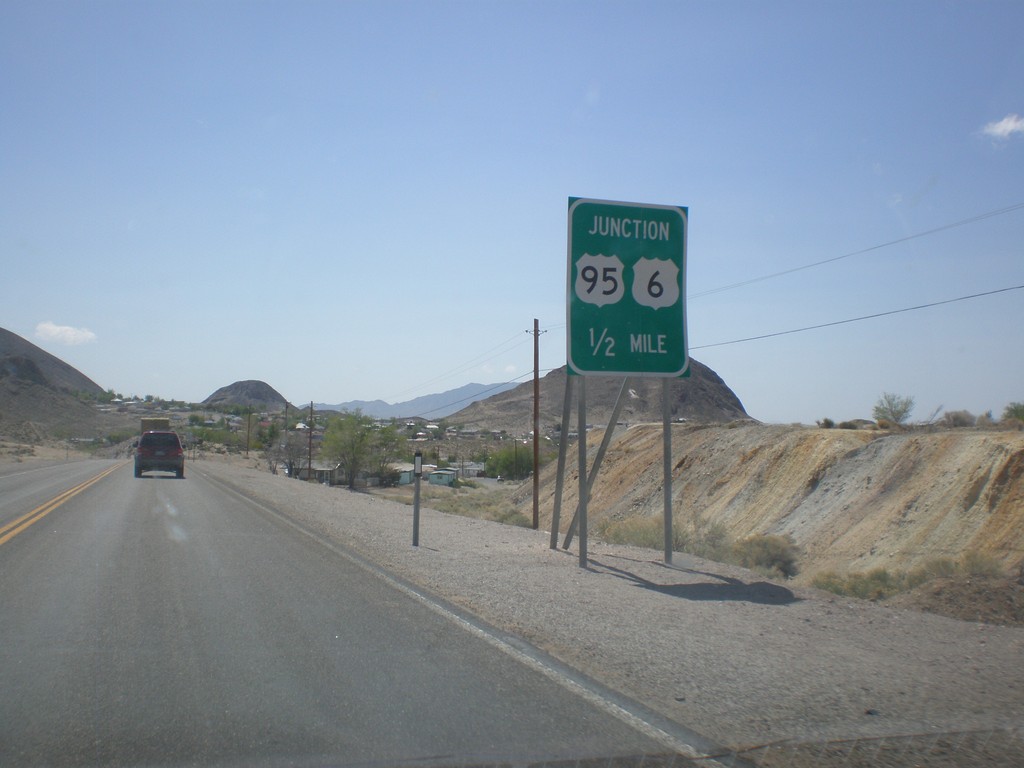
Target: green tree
<point>388,444</point>
<point>893,408</point>
<point>1014,411</point>
<point>515,461</point>
<point>347,442</point>
<point>355,442</point>
<point>508,462</point>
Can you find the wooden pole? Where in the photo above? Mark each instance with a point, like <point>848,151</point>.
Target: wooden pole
<point>536,424</point>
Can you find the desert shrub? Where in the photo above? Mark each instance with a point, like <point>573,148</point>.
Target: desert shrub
<point>936,568</point>
<point>849,425</point>
<point>633,531</point>
<point>876,584</point>
<point>979,565</point>
<point>826,423</point>
<point>705,539</point>
<point>830,581</point>
<point>773,553</point>
<point>710,540</point>
<point>959,419</point>
<point>880,583</point>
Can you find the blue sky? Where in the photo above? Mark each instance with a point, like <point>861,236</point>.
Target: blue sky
<point>361,200</point>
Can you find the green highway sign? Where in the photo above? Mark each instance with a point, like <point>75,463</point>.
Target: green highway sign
<point>626,289</point>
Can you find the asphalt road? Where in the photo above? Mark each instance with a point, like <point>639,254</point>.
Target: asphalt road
<point>158,621</point>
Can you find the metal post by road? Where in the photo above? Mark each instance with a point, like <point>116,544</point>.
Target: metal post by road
<point>666,419</point>
<point>418,473</point>
<point>582,446</point>
<point>563,447</point>
<point>605,441</point>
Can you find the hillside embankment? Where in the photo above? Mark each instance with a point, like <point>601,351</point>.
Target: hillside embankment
<point>852,500</point>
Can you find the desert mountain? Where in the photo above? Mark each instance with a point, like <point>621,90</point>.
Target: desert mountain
<point>435,406</point>
<point>22,361</point>
<point>702,397</point>
<point>39,393</point>
<point>257,394</point>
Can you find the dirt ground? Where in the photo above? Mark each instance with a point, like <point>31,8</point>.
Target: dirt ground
<point>14,452</point>
<point>989,601</point>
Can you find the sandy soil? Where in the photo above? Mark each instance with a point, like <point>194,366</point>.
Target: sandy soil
<point>779,674</point>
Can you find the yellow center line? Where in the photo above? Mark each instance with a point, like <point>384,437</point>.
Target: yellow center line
<point>13,528</point>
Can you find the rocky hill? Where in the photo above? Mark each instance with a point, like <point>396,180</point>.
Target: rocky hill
<point>22,361</point>
<point>40,395</point>
<point>853,500</point>
<point>257,394</point>
<point>703,397</point>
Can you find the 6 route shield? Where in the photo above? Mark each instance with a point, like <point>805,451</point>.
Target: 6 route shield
<point>626,289</point>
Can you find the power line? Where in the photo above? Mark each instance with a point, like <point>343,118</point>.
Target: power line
<point>858,319</point>
<point>503,349</point>
<point>943,228</point>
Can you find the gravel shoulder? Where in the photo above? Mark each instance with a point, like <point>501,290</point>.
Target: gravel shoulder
<point>742,660</point>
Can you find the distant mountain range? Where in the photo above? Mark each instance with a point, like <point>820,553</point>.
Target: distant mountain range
<point>42,396</point>
<point>435,406</point>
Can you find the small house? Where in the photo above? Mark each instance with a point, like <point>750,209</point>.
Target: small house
<point>442,477</point>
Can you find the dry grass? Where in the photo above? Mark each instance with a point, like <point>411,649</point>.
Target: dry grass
<point>880,583</point>
<point>465,501</point>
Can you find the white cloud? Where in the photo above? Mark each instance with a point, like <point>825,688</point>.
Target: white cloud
<point>64,334</point>
<point>1005,128</point>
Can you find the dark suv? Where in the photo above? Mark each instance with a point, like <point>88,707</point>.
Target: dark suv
<point>160,451</point>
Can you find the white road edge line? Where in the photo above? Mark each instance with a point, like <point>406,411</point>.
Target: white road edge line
<point>593,697</point>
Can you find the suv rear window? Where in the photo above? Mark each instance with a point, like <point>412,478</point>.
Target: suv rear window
<point>160,440</point>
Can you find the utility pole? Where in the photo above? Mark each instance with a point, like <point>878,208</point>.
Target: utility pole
<point>536,422</point>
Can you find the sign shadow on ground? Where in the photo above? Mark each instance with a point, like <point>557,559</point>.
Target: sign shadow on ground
<point>723,588</point>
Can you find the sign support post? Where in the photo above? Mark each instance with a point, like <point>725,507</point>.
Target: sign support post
<point>563,447</point>
<point>605,441</point>
<point>666,463</point>
<point>584,491</point>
